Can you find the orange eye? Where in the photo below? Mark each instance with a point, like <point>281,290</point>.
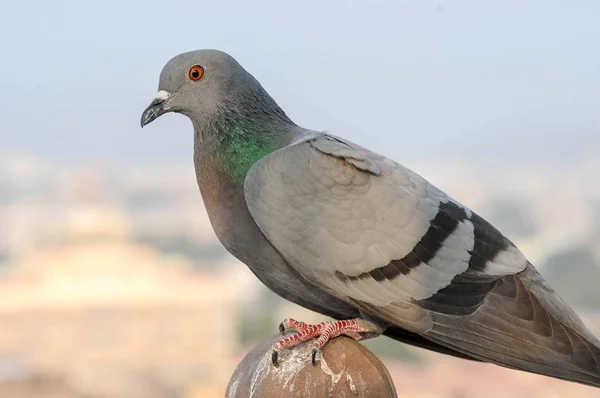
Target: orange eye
<point>196,72</point>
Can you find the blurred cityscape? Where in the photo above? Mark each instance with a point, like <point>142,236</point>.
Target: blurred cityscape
<point>113,285</point>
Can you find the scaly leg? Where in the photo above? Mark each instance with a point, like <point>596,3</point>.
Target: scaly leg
<point>358,329</point>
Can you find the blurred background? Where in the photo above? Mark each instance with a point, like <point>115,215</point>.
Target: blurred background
<point>112,283</point>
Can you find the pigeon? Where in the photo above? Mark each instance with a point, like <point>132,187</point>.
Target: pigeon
<point>346,232</point>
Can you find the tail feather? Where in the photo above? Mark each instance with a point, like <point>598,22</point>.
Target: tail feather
<point>523,324</point>
<point>418,340</point>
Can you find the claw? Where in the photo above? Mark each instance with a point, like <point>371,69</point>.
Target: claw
<point>357,329</point>
<point>282,329</point>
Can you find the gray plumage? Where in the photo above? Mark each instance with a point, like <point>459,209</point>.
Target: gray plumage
<point>341,230</point>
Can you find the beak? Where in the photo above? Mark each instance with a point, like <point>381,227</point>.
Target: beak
<point>156,108</point>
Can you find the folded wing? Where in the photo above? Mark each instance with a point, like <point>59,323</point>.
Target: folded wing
<point>372,232</point>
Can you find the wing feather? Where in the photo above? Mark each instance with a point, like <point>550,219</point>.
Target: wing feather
<point>379,236</point>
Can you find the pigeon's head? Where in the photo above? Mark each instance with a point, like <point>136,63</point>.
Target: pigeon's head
<point>196,84</point>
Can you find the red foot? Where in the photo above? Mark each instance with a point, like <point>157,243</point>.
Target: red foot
<point>355,328</point>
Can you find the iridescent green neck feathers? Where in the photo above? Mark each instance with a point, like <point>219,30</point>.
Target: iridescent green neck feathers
<point>241,130</point>
<point>242,145</point>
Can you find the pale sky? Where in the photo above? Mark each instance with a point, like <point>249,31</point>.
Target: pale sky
<point>401,77</point>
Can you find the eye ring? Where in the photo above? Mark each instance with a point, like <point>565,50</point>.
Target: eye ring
<point>196,73</point>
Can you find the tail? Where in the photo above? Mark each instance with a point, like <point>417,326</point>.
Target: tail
<point>523,324</point>
<point>418,340</point>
